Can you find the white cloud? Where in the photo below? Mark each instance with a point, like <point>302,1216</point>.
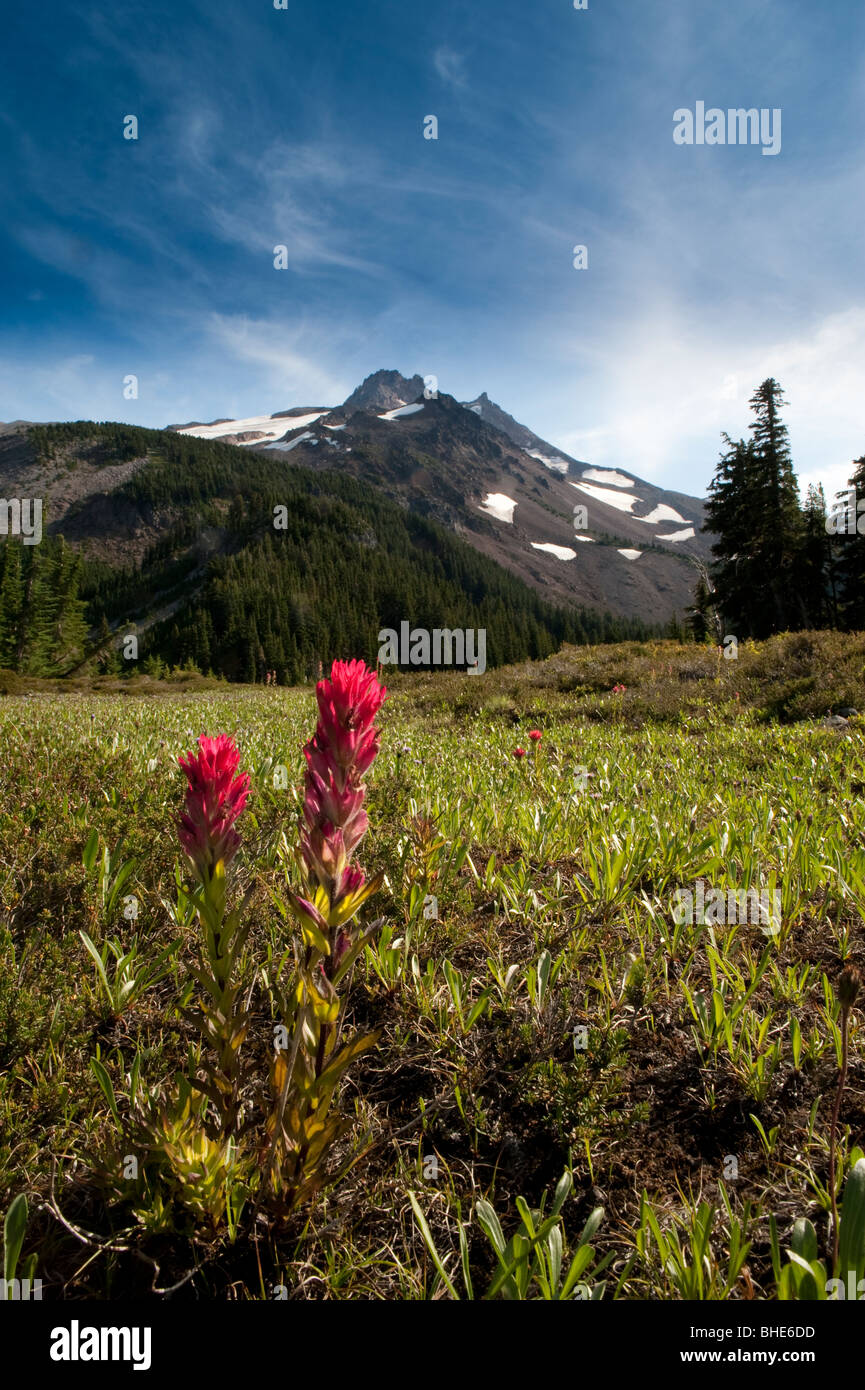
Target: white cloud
<point>450,66</point>
<point>668,386</point>
<point>286,359</point>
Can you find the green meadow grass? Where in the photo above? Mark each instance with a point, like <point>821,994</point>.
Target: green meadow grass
<point>644,1104</point>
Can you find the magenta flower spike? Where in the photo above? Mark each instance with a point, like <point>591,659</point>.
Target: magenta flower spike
<point>215,797</point>
<point>342,749</point>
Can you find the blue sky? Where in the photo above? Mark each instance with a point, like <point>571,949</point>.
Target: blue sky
<point>709,267</point>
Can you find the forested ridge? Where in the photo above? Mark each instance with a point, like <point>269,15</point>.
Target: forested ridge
<point>255,565</point>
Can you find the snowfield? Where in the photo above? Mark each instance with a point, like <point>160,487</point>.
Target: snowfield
<point>631,554</point>
<point>401,411</point>
<point>622,501</point>
<point>611,477</point>
<point>662,513</point>
<point>685,535</point>
<point>499,505</point>
<point>561,552</point>
<point>292,443</point>
<point>266,424</point>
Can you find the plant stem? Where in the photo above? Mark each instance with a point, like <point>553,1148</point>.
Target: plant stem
<point>842,1078</point>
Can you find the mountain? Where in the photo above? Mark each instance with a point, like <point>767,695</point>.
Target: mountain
<point>505,490</point>
<point>239,561</point>
<point>521,435</point>
<point>173,529</point>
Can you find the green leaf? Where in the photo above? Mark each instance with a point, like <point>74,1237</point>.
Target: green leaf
<point>430,1245</point>
<point>107,1087</point>
<point>851,1241</point>
<point>100,966</point>
<point>594,1221</point>
<point>804,1239</point>
<point>91,849</point>
<point>14,1228</point>
<point>490,1222</point>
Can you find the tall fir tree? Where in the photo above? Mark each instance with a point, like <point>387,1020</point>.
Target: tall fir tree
<point>777,523</point>
<point>849,548</point>
<point>817,579</point>
<point>734,499</point>
<point>11,603</point>
<point>754,511</point>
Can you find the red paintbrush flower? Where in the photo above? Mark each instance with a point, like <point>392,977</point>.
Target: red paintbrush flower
<point>535,735</point>
<point>215,797</point>
<point>519,752</point>
<point>342,749</point>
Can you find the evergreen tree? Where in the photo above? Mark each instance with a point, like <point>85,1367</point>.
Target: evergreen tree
<point>777,536</point>
<point>733,502</point>
<point>754,510</point>
<point>67,640</point>
<point>699,617</point>
<point>11,604</point>
<point>109,657</point>
<point>848,548</point>
<point>816,578</point>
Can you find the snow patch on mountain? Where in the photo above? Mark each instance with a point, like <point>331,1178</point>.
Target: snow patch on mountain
<point>662,513</point>
<point>401,411</point>
<point>622,501</point>
<point>686,535</point>
<point>269,427</point>
<point>293,443</point>
<point>499,505</point>
<point>609,475</point>
<point>631,554</point>
<point>561,552</point>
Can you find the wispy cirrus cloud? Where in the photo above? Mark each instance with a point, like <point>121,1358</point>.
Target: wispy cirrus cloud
<point>450,66</point>
<point>260,129</point>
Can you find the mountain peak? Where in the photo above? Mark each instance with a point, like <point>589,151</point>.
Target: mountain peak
<point>384,390</point>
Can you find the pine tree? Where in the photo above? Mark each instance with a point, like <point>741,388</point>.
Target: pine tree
<point>733,502</point>
<point>849,548</point>
<point>754,510</point>
<point>109,657</point>
<point>777,523</point>
<point>816,579</point>
<point>69,629</point>
<point>11,605</point>
<point>700,621</point>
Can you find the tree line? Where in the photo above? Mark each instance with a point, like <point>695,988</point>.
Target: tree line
<point>779,563</point>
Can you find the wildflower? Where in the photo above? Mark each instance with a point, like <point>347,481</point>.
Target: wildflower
<point>619,689</point>
<point>342,749</point>
<point>535,735</point>
<point>519,752</point>
<point>215,797</point>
